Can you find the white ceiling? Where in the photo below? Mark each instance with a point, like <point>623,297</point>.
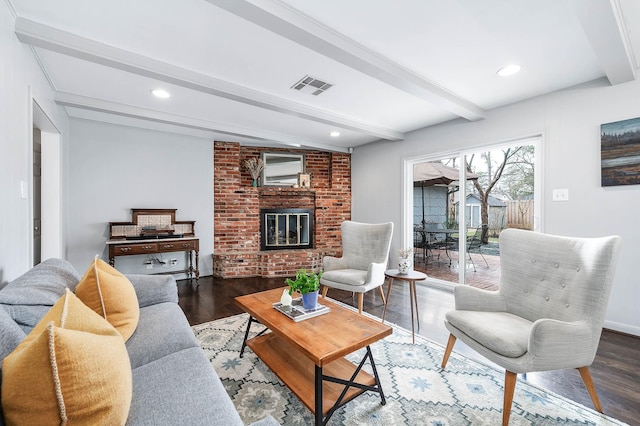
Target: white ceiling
<point>395,65</point>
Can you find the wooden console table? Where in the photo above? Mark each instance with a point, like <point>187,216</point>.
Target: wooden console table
<point>154,231</point>
<point>154,246</point>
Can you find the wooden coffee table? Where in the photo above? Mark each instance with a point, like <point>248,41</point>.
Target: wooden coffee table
<point>308,356</point>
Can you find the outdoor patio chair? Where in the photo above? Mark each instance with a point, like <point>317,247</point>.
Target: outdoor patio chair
<point>419,242</point>
<point>439,239</point>
<point>365,254</point>
<point>549,310</point>
<point>425,245</point>
<point>474,245</point>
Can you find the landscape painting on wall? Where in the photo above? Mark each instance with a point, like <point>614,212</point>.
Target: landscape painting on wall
<point>620,152</point>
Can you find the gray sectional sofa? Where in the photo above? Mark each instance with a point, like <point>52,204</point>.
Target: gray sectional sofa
<point>173,381</point>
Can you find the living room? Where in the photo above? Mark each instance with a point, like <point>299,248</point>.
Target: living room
<point>107,167</point>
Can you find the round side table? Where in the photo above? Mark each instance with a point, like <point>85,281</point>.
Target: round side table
<point>411,276</point>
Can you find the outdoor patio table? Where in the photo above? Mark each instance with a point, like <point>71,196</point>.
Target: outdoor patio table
<point>447,237</point>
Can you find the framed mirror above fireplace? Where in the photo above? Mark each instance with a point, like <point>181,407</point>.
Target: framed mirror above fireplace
<point>281,169</point>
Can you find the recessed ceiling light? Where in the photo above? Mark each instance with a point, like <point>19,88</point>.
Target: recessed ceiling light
<point>334,134</point>
<point>160,93</point>
<point>510,69</point>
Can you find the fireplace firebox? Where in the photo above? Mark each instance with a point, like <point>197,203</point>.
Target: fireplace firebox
<point>285,229</point>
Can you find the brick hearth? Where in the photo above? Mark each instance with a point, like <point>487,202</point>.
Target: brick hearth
<point>237,205</point>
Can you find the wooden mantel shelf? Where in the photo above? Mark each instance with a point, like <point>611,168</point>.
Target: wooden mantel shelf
<point>279,190</point>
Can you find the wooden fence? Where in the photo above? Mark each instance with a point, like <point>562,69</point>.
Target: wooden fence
<point>520,214</point>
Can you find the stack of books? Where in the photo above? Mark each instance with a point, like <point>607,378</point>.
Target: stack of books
<point>298,313</point>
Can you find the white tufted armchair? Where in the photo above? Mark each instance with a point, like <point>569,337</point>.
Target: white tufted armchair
<point>365,253</point>
<point>548,312</point>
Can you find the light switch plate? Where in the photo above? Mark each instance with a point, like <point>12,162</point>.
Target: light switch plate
<point>560,194</point>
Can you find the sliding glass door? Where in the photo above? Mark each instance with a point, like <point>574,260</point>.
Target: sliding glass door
<point>460,204</point>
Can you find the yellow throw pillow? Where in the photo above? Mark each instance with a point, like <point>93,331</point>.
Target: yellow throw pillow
<point>111,295</point>
<point>72,368</point>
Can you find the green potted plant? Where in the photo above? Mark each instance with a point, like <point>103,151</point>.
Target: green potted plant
<point>308,285</point>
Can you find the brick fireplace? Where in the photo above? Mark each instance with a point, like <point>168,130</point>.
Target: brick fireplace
<point>237,205</point>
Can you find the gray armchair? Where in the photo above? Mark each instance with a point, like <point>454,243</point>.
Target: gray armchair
<point>548,312</point>
<point>365,253</point>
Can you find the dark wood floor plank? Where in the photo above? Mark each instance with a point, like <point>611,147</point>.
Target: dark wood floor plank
<point>615,371</point>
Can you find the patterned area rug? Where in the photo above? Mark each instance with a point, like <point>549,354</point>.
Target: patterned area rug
<point>417,390</point>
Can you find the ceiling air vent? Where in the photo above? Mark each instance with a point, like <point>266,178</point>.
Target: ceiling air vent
<point>311,85</point>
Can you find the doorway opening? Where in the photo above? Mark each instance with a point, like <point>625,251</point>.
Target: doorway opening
<point>45,188</point>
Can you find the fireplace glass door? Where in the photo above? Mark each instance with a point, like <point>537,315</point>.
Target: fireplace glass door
<point>286,229</point>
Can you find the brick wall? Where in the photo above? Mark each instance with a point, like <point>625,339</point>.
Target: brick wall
<point>237,204</point>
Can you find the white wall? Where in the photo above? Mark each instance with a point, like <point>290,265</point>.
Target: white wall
<point>569,122</point>
<point>101,177</point>
<point>21,82</point>
<point>114,168</point>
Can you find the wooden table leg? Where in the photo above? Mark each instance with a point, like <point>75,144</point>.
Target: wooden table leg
<point>194,270</point>
<point>197,265</point>
<point>411,301</point>
<point>415,300</point>
<point>384,312</point>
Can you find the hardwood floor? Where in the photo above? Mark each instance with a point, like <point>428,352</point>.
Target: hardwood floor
<point>615,371</point>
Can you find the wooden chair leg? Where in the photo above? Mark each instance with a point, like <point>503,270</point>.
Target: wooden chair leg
<point>360,302</point>
<point>382,295</point>
<point>447,351</point>
<point>509,388</point>
<point>324,291</point>
<point>588,382</point>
